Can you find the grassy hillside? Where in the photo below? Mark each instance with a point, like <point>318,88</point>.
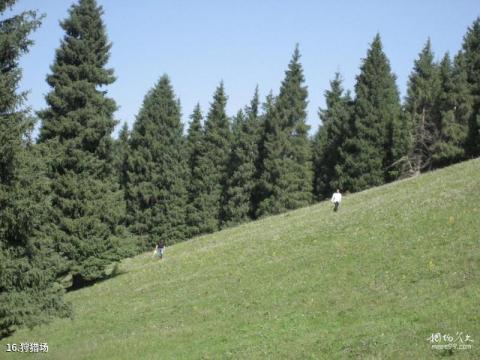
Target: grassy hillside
<point>373,281</point>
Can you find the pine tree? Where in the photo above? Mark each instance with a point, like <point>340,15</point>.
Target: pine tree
<point>399,146</point>
<point>236,202</point>
<point>369,154</point>
<point>452,130</point>
<point>29,294</point>
<point>321,176</point>
<point>195,147</point>
<point>421,101</point>
<point>260,191</point>
<point>77,127</point>
<point>241,181</point>
<point>212,165</point>
<point>330,138</point>
<point>156,191</point>
<point>121,150</point>
<point>287,169</point>
<point>470,54</point>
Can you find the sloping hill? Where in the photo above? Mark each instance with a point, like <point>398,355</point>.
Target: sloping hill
<point>375,280</point>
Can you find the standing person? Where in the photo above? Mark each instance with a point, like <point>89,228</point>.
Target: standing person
<point>336,200</point>
<point>160,249</point>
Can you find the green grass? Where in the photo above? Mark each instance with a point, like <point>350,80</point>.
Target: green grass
<point>373,281</point>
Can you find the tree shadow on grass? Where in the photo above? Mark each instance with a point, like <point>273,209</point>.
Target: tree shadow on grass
<point>5,333</point>
<point>78,282</point>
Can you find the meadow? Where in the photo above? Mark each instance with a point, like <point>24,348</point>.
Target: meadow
<point>375,280</point>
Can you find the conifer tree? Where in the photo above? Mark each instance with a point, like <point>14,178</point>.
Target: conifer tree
<point>236,202</point>
<point>260,188</point>
<point>470,63</point>
<point>77,127</point>
<point>121,152</point>
<point>421,101</point>
<point>398,148</point>
<point>29,294</point>
<point>241,181</point>
<point>452,125</point>
<point>287,169</point>
<point>369,154</point>
<point>213,163</point>
<point>194,137</point>
<point>124,134</point>
<point>156,191</point>
<point>330,138</point>
<point>321,176</point>
<point>195,147</point>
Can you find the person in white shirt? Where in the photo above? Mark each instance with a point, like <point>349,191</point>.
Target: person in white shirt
<point>336,200</point>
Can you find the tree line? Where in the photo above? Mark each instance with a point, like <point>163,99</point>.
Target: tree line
<point>75,200</point>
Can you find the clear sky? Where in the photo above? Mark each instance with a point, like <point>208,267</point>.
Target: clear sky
<point>245,43</point>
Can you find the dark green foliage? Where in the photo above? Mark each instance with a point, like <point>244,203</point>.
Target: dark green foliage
<point>372,150</point>
<point>260,189</point>
<point>241,179</point>
<point>286,170</point>
<point>77,73</point>
<point>121,150</point>
<point>156,191</point>
<point>195,138</point>
<point>452,123</point>
<point>330,139</point>
<point>237,201</point>
<point>14,42</point>
<point>195,147</point>
<point>29,294</point>
<point>399,145</point>
<point>471,65</point>
<point>421,108</point>
<point>439,107</point>
<point>77,127</point>
<point>210,184</point>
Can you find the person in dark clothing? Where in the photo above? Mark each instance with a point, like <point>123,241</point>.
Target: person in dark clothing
<point>160,249</point>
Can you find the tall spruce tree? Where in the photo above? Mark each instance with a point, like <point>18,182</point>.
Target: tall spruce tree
<point>321,173</point>
<point>121,150</point>
<point>195,147</point>
<point>213,164</point>
<point>330,138</point>
<point>287,169</point>
<point>421,107</point>
<point>241,181</point>
<point>370,153</point>
<point>260,188</point>
<point>399,145</point>
<point>470,54</point>
<point>77,127</point>
<point>29,294</point>
<point>236,202</point>
<point>452,125</point>
<point>156,191</point>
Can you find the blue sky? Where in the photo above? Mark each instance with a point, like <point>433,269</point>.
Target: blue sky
<point>245,43</point>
